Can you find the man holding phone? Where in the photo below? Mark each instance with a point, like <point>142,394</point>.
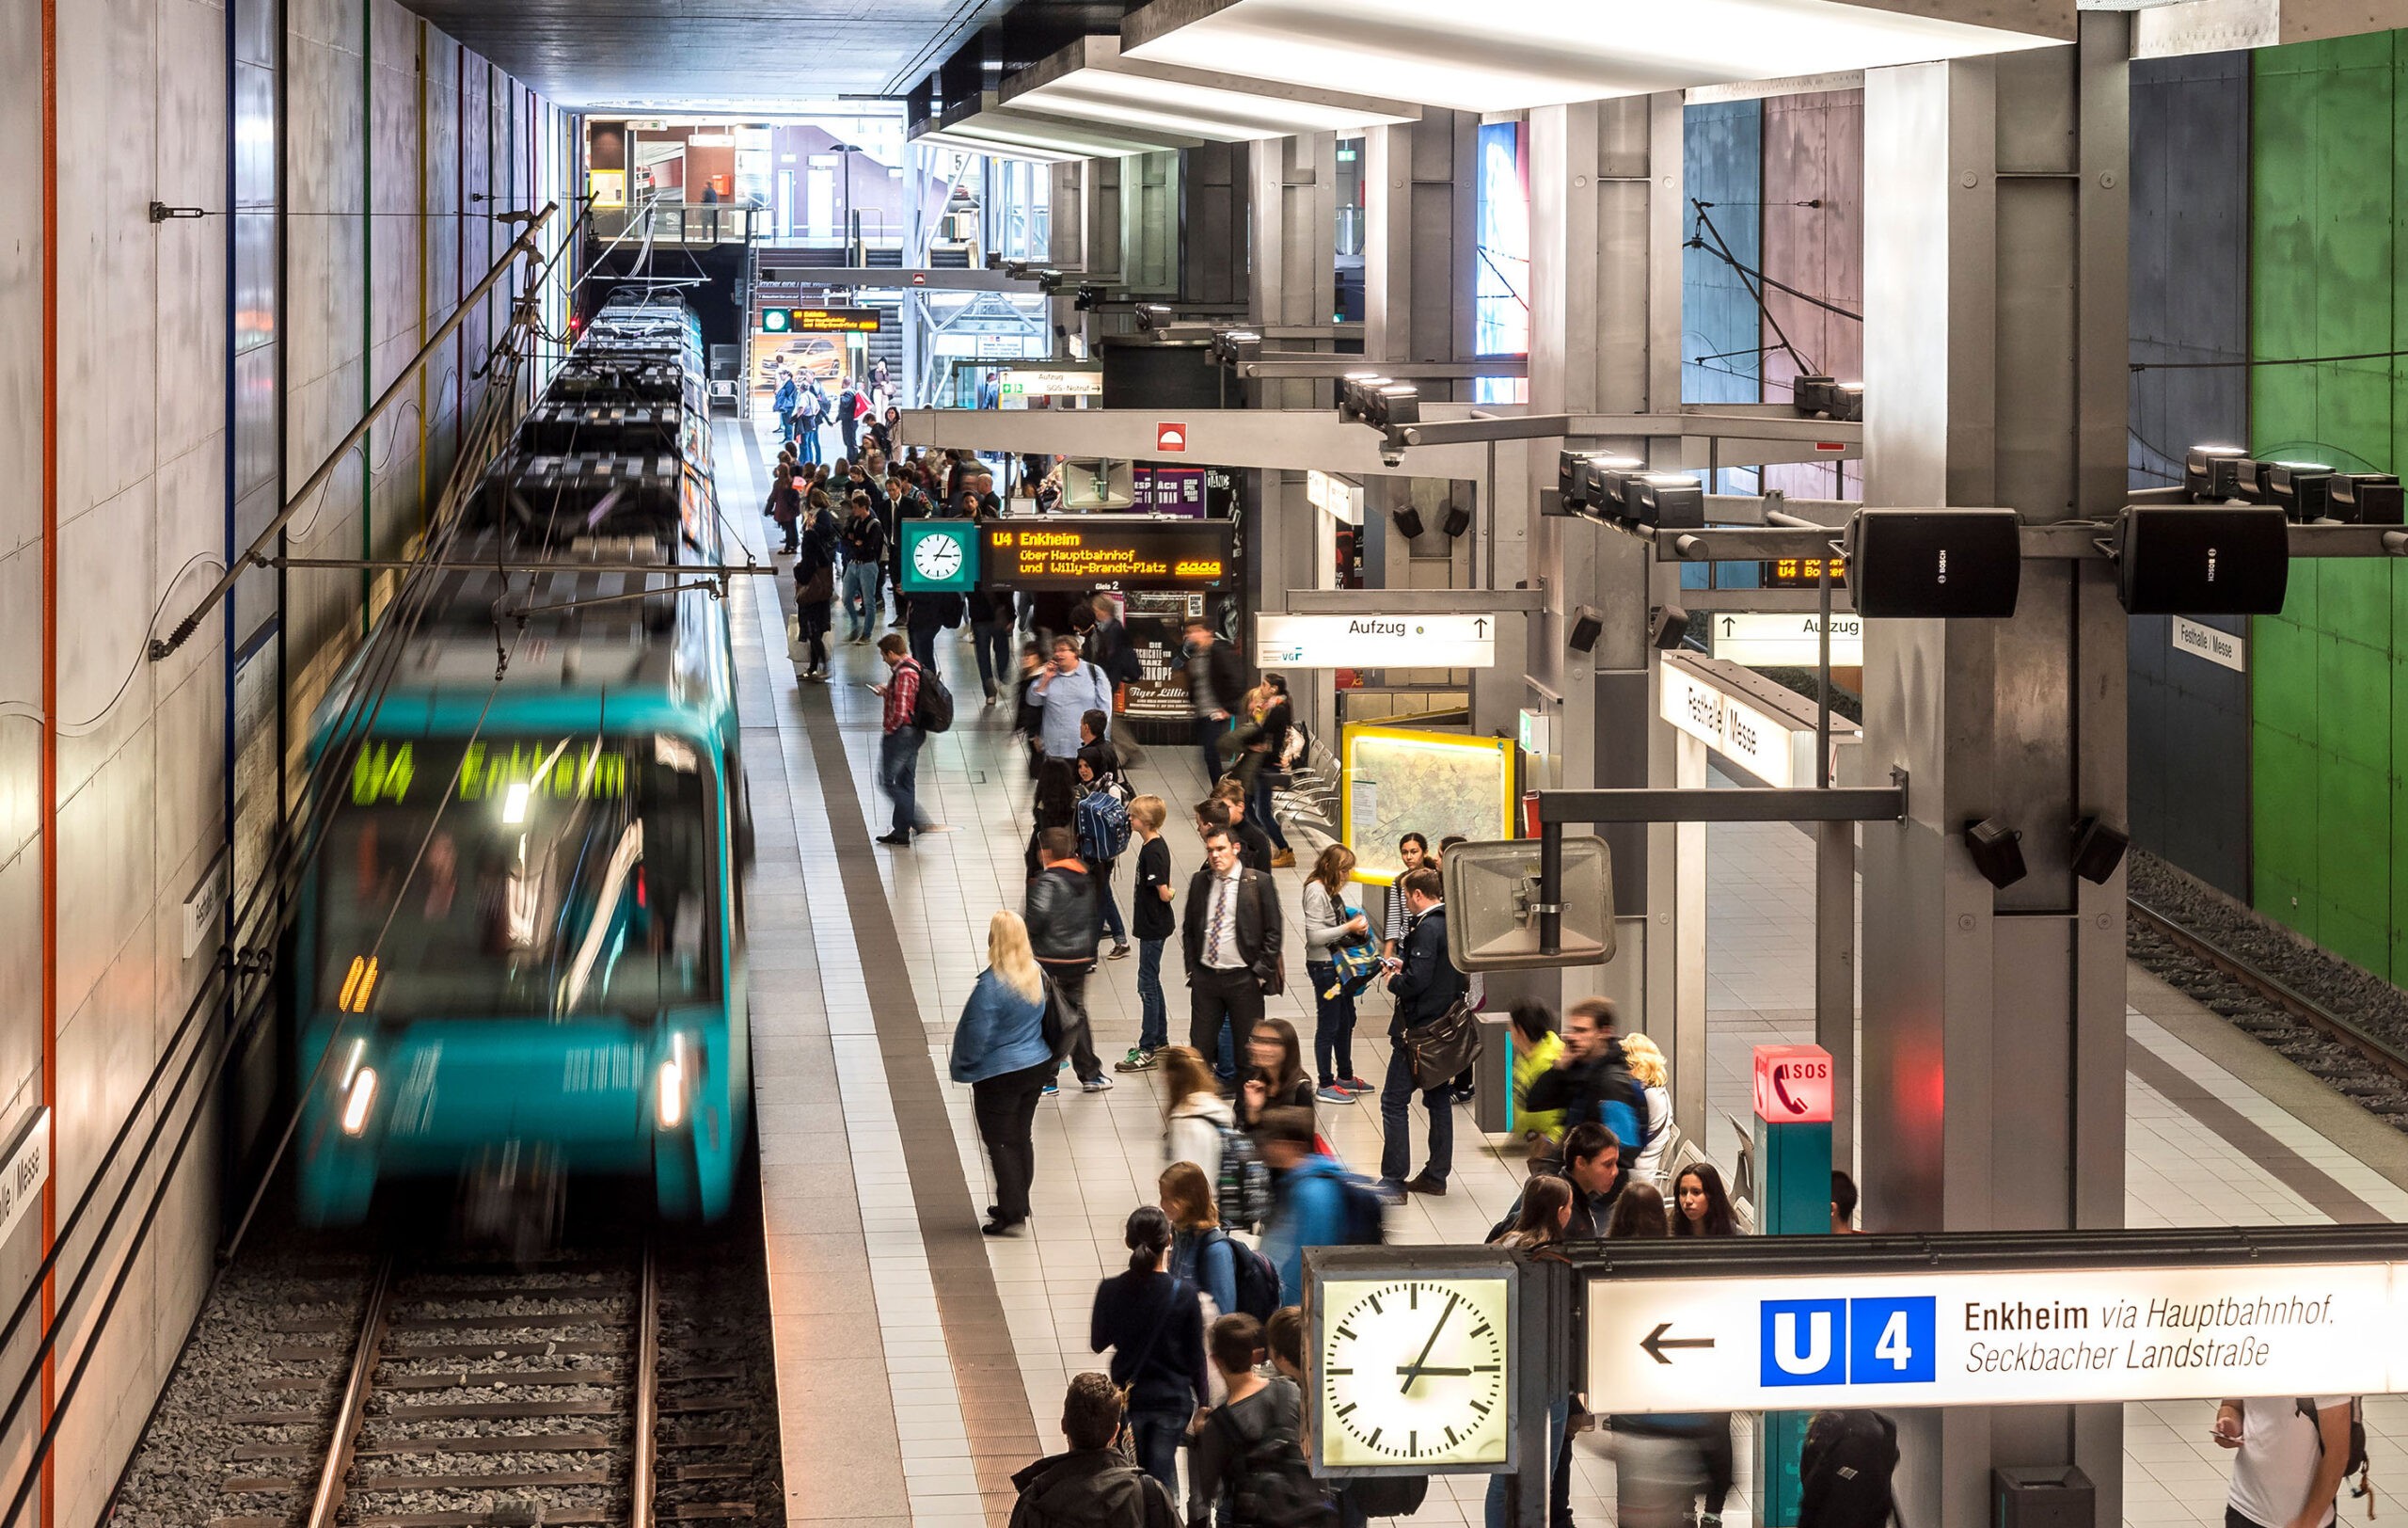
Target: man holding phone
<point>2290,1455</point>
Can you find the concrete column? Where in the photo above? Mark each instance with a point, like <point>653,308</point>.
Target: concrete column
<point>1605,338</point>
<point>1291,278</point>
<point>1993,1021</point>
<point>1420,182</point>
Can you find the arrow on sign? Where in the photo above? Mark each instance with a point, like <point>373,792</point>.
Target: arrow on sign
<point>1728,623</point>
<point>1480,626</point>
<point>1655,1342</point>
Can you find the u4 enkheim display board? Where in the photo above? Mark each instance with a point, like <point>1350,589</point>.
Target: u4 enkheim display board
<point>1983,1338</point>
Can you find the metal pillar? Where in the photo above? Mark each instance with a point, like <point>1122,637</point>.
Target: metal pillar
<point>1605,338</point>
<point>1291,278</point>
<point>1993,1023</point>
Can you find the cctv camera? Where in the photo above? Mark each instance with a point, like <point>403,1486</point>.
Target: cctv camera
<point>1391,457</point>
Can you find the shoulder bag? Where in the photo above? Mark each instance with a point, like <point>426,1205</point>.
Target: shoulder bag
<point>1443,1047</point>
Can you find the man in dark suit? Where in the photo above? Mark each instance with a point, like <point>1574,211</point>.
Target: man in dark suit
<point>1230,935</point>
<point>1425,985</point>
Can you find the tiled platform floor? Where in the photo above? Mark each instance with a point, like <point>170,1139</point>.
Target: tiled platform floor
<point>920,1413</point>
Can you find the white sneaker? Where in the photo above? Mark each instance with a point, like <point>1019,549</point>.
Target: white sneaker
<point>1097,1084</point>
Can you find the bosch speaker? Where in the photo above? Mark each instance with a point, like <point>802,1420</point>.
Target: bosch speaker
<point>2202,560</point>
<point>1948,564</point>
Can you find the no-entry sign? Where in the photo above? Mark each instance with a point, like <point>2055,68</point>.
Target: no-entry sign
<point>1997,1338</point>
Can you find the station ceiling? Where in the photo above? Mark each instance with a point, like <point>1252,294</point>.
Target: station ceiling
<point>709,55</point>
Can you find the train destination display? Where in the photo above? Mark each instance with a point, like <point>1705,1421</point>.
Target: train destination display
<point>1999,1338</point>
<point>1081,551</point>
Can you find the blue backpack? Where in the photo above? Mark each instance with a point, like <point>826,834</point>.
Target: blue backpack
<point>1626,1115</point>
<point>1258,1281</point>
<point>1102,821</point>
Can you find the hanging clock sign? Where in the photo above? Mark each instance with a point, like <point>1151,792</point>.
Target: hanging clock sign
<point>939,556</point>
<point>1411,1361</point>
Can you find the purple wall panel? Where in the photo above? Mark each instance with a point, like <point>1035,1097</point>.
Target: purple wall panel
<point>1815,241</point>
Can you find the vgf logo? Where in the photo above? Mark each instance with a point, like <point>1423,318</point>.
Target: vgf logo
<point>1852,1341</point>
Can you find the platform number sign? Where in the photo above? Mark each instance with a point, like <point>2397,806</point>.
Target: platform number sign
<point>1849,1342</point>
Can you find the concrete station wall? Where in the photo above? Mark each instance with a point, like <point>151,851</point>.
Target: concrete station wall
<point>138,522</point>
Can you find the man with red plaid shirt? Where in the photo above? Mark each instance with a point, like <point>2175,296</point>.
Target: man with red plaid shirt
<point>899,751</point>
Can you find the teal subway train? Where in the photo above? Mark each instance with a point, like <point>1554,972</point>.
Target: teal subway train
<point>519,951</point>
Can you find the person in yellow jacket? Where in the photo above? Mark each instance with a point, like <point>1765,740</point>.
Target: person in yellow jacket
<point>1536,1047</point>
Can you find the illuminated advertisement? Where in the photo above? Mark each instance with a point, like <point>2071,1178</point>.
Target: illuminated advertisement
<point>1501,265</point>
<point>1081,551</point>
<point>1397,780</point>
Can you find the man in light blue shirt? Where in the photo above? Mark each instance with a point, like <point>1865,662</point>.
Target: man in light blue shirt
<point>1066,690</point>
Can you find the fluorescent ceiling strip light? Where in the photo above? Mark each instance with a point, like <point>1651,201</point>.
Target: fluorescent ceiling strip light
<point>1506,54</point>
<point>1089,80</point>
<point>941,140</point>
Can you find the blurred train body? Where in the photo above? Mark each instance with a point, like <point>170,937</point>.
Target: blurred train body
<point>520,948</point>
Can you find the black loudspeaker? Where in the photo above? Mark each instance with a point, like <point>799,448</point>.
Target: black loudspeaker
<point>2098,848</point>
<point>2202,560</point>
<point>1935,563</point>
<point>1588,625</point>
<point>1457,520</point>
<point>1669,627</point>
<point>1408,522</point>
<point>1996,852</point>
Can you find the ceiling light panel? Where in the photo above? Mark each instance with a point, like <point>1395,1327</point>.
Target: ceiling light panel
<point>1508,55</point>
<point>1089,81</point>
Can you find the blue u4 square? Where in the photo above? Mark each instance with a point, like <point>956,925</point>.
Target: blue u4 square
<point>1852,1341</point>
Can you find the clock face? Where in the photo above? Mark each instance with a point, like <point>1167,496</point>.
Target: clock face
<point>1414,1372</point>
<point>937,558</point>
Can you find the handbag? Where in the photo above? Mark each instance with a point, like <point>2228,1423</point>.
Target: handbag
<point>1356,962</point>
<point>820,589</point>
<point>1445,1047</point>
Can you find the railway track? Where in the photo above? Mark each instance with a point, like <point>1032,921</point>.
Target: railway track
<point>467,1397</point>
<point>2362,1065</point>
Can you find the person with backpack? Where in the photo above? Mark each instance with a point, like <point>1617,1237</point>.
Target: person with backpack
<point>848,417</point>
<point>1150,919</point>
<point>1314,1201</point>
<point>1270,749</point>
<point>1108,648</point>
<point>1426,986</point>
<point>1845,1469</point>
<point>999,1049</point>
<point>1102,819</point>
<point>1591,1081</point>
<point>1249,1454</point>
<point>1332,926</point>
<point>2290,1455</point>
<point>1235,1275</point>
<point>1591,1168</point>
<point>911,713</point>
<point>1150,1319</point>
<point>1061,913</point>
<point>1196,1119</point>
<point>815,587</point>
<point>811,408</point>
<point>1093,1485</point>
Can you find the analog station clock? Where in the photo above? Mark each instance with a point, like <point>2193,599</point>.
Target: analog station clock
<point>1412,1372</point>
<point>940,557</point>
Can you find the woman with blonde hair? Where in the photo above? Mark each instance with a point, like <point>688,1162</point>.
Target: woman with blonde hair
<point>1199,1248</point>
<point>1196,1113</point>
<point>999,1048</point>
<point>1647,1069</point>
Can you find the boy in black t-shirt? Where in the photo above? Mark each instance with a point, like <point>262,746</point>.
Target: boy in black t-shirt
<point>1150,919</point>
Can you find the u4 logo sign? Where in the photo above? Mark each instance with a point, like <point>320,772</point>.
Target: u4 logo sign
<point>1850,1341</point>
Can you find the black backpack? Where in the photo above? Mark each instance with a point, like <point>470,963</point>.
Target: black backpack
<point>1274,1488</point>
<point>932,708</point>
<point>2356,1463</point>
<point>1258,1281</point>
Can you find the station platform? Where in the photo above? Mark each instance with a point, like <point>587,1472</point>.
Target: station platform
<point>920,1363</point>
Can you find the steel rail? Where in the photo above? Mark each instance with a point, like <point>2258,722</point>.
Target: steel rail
<point>2306,1010</point>
<point>640,1481</point>
<point>353,1414</point>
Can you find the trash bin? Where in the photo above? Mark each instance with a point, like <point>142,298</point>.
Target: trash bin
<point>2043,1496</point>
<point>1492,1075</point>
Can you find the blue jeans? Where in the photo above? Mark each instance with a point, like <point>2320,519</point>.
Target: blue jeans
<point>898,773</point>
<point>1154,1021</point>
<point>809,437</point>
<point>1107,910</point>
<point>923,646</point>
<point>1157,1435</point>
<point>1333,1024</point>
<point>861,598</point>
<point>1396,1100</point>
<point>1258,806</point>
<point>1208,739</point>
<point>1558,1416</point>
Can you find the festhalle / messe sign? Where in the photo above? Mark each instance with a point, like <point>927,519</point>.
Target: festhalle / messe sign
<point>1999,1338</point>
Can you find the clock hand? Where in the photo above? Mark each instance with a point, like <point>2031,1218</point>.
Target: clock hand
<point>1421,1369</point>
<point>1414,1367</point>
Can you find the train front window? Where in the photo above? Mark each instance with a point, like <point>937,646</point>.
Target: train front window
<point>520,877</point>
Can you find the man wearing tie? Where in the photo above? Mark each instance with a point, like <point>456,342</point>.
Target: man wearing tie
<point>1230,937</point>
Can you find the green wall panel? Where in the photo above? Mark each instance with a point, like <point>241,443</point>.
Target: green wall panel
<point>2329,276</point>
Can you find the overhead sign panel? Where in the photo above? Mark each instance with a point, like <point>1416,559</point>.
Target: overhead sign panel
<point>1999,1338</point>
<point>819,320</point>
<point>1375,642</point>
<point>1785,641</point>
<point>1083,551</point>
<point>1754,738</point>
<point>1051,381</point>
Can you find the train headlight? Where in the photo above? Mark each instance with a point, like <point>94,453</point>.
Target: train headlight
<point>513,802</point>
<point>356,1100</point>
<point>670,1105</point>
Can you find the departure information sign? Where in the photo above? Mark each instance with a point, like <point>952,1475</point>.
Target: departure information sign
<point>819,320</point>
<point>412,773</point>
<point>1083,551</point>
<point>1999,1338</point>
